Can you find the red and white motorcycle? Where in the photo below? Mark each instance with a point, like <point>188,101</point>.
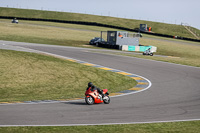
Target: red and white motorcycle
<point>92,97</point>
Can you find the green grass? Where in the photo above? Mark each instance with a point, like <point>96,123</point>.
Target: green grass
<point>179,52</point>
<point>171,127</point>
<point>49,33</point>
<point>45,35</point>
<point>163,28</point>
<point>63,25</point>
<point>28,76</point>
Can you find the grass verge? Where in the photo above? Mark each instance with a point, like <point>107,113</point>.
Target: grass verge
<point>29,76</point>
<point>44,34</point>
<point>178,52</point>
<point>170,51</point>
<point>171,127</point>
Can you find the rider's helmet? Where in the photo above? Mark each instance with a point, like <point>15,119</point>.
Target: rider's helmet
<point>90,84</point>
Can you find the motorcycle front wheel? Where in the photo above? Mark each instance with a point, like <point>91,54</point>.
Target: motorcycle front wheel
<point>89,100</point>
<point>106,100</point>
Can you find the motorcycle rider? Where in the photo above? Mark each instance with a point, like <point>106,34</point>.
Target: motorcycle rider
<point>90,85</point>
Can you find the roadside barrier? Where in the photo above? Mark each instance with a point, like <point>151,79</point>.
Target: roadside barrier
<point>138,48</point>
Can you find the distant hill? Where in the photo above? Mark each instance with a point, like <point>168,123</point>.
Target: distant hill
<point>162,28</point>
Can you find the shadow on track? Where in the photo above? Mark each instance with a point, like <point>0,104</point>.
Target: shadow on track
<point>76,103</point>
<point>80,103</point>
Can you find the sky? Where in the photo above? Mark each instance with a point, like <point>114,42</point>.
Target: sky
<point>167,11</point>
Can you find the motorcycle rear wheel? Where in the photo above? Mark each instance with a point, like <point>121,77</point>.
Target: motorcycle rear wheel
<point>89,100</point>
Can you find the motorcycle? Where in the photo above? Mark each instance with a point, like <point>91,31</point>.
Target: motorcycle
<point>148,52</point>
<point>92,97</point>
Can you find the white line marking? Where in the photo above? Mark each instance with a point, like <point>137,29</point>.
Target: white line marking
<point>148,122</point>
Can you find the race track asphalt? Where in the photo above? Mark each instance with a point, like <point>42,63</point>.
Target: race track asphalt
<point>173,96</point>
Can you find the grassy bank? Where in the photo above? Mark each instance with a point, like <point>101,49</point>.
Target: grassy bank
<point>163,28</point>
<point>28,76</point>
<point>44,34</point>
<point>172,127</point>
<point>49,33</point>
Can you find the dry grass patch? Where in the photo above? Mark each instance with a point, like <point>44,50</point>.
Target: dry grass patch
<point>44,34</point>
